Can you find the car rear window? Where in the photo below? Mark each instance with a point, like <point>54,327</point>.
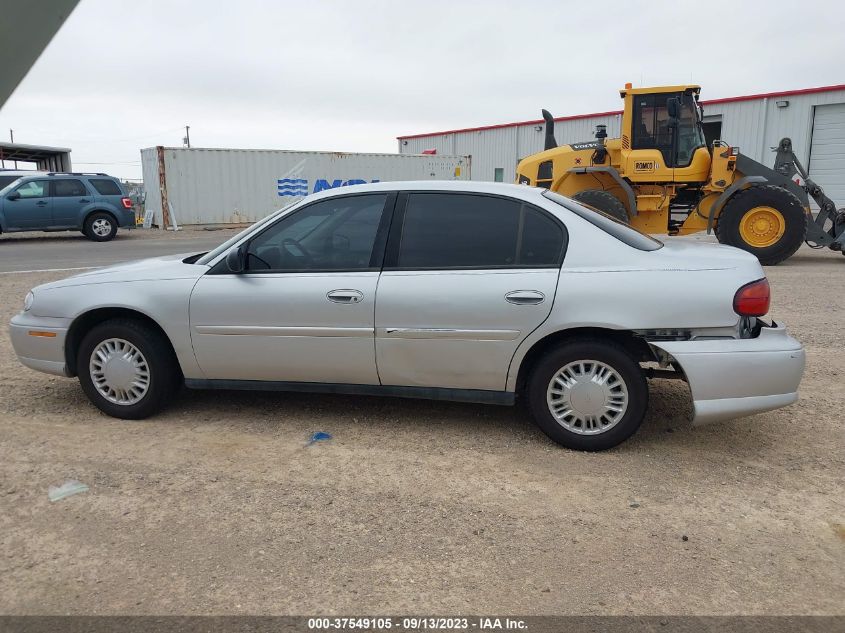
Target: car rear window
<point>106,187</point>
<point>450,230</point>
<point>621,231</point>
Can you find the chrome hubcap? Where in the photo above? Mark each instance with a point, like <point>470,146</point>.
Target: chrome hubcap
<point>101,227</point>
<point>587,397</point>
<point>119,371</point>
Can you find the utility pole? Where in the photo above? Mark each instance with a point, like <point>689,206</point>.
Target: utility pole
<point>188,136</point>
<point>12,139</point>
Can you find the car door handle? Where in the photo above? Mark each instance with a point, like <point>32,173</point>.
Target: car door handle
<point>345,296</point>
<point>525,297</point>
<point>41,203</point>
<point>84,200</point>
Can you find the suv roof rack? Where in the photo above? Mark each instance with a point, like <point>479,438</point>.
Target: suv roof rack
<point>76,173</point>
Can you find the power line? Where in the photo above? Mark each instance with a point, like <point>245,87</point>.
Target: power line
<point>106,162</point>
<point>119,140</point>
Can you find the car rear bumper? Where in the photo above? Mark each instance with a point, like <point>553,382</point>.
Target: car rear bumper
<point>733,378</point>
<point>127,219</point>
<point>39,342</point>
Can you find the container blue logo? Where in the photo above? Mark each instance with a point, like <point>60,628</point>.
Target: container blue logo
<point>297,187</point>
<point>293,187</point>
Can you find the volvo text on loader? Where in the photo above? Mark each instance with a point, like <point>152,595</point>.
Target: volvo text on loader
<point>661,177</point>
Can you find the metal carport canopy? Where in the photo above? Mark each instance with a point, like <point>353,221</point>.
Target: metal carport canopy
<point>46,158</point>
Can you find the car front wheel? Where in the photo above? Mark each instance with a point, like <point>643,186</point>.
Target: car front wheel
<point>100,227</point>
<point>127,368</point>
<point>588,395</point>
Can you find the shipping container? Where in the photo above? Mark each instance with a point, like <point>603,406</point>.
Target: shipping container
<point>232,186</point>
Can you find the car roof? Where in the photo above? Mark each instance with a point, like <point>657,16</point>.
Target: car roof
<point>77,174</point>
<point>57,175</point>
<point>464,186</point>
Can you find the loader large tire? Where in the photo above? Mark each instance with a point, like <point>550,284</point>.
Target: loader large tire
<point>603,201</point>
<point>767,221</point>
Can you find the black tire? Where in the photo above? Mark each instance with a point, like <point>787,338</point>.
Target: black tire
<point>94,224</point>
<point>795,222</point>
<point>161,364</point>
<point>604,352</point>
<point>603,201</point>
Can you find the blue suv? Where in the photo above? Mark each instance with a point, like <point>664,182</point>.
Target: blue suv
<point>92,203</point>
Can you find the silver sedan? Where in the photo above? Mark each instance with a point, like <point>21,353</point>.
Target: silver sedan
<point>465,291</point>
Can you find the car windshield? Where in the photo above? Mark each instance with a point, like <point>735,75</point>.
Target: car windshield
<point>621,231</point>
<point>7,181</point>
<point>225,246</point>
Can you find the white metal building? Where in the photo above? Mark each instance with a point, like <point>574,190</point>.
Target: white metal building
<point>813,118</point>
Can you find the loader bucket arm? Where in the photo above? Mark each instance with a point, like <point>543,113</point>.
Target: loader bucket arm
<point>788,166</point>
<point>750,167</point>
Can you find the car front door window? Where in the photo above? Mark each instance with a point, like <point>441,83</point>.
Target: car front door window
<point>332,235</point>
<point>34,189</point>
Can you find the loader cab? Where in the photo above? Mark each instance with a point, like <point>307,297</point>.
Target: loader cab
<point>665,136</point>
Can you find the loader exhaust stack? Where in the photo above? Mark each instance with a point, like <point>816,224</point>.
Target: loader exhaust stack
<point>550,143</point>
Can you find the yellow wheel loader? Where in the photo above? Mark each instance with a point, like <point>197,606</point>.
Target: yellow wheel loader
<point>661,177</point>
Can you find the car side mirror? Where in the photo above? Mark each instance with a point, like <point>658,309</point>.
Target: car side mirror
<point>13,196</point>
<point>236,259</point>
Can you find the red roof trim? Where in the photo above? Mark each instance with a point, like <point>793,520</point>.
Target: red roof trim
<point>785,93</point>
<point>515,124</point>
<point>763,95</point>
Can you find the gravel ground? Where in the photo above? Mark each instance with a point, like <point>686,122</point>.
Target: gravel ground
<point>218,506</point>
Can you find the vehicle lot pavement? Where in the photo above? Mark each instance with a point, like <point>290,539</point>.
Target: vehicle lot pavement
<point>218,506</point>
<point>48,251</point>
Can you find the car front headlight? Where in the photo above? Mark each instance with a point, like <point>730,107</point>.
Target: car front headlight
<point>27,302</point>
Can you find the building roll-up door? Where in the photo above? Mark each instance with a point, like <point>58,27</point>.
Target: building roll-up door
<point>827,151</point>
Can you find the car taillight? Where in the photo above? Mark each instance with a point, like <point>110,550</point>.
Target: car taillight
<point>753,299</point>
<point>127,203</point>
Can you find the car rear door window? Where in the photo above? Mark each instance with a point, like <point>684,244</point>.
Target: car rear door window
<point>448,230</point>
<point>67,188</point>
<point>542,239</point>
<point>106,187</point>
<point>34,189</point>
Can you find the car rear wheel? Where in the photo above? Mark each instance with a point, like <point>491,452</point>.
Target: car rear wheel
<point>100,227</point>
<point>127,368</point>
<point>588,395</point>
<point>603,201</point>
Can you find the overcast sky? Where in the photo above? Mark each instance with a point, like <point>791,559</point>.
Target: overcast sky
<point>351,76</point>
